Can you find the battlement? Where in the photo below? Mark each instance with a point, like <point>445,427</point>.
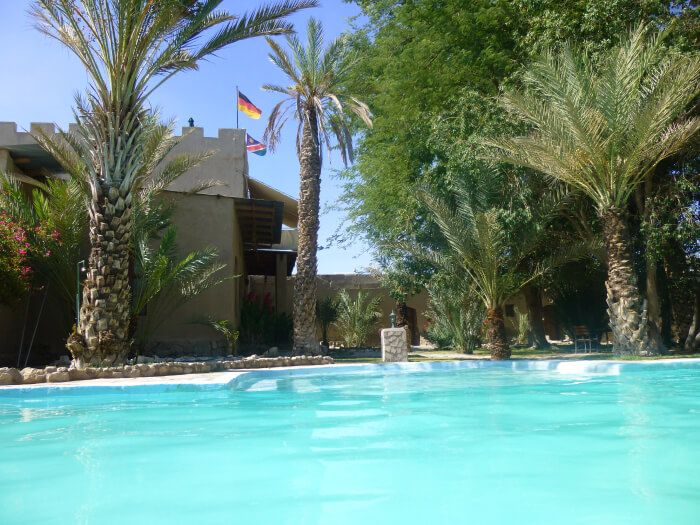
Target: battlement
<point>228,164</point>
<point>11,134</point>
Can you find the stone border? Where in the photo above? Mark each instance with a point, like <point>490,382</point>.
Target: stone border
<point>52,374</point>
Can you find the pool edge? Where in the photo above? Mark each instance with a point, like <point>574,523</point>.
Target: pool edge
<point>228,378</point>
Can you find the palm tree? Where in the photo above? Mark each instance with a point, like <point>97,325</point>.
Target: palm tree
<point>317,99</point>
<point>164,281</point>
<point>161,280</point>
<point>456,314</point>
<point>129,48</point>
<point>356,317</point>
<point>491,256</point>
<point>601,128</point>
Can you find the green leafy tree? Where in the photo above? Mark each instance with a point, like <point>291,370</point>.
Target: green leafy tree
<point>318,100</point>
<point>428,72</point>
<point>129,48</point>
<point>601,129</point>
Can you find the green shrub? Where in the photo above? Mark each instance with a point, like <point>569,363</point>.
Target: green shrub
<point>326,313</point>
<point>261,325</point>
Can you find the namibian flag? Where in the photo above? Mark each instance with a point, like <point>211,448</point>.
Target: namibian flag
<point>247,107</point>
<point>254,146</point>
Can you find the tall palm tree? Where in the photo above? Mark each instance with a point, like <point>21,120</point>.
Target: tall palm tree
<point>129,48</point>
<point>317,99</point>
<point>601,128</point>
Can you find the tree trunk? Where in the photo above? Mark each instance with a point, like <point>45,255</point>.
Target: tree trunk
<point>103,339</point>
<point>309,202</point>
<point>496,339</point>
<point>692,342</point>
<point>401,314</point>
<point>533,300</point>
<point>626,308</point>
<point>653,299</point>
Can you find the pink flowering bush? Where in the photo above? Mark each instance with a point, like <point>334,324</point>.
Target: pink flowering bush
<point>21,248</point>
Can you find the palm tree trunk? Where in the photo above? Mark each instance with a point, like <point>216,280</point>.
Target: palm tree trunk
<point>496,339</point>
<point>533,300</point>
<point>304,313</point>
<point>104,338</point>
<point>626,308</point>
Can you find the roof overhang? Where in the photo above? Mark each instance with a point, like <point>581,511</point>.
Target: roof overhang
<point>259,221</point>
<point>32,159</point>
<point>260,190</point>
<point>264,261</point>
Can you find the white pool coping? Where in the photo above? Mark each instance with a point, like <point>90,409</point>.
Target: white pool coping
<point>564,366</point>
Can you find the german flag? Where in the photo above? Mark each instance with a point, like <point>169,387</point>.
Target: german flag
<point>247,107</point>
<point>254,146</point>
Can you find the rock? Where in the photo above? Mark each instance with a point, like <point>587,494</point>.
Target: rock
<point>144,359</point>
<point>32,376</point>
<point>10,376</point>
<point>272,352</point>
<point>50,369</point>
<point>76,374</point>
<point>58,377</point>
<point>64,360</point>
<point>92,372</point>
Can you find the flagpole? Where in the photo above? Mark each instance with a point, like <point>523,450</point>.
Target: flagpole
<point>237,107</point>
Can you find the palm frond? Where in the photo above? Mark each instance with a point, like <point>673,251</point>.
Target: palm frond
<point>603,129</point>
<point>316,87</point>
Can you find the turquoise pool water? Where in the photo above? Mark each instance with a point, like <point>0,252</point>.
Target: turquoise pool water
<point>446,443</point>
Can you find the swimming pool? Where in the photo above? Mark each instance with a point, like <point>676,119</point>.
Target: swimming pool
<point>519,442</point>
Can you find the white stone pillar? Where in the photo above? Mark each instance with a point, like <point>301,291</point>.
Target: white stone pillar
<point>394,345</point>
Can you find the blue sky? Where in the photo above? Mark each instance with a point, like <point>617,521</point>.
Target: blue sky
<point>41,77</point>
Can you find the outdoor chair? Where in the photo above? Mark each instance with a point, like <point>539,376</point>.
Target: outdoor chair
<point>582,335</point>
